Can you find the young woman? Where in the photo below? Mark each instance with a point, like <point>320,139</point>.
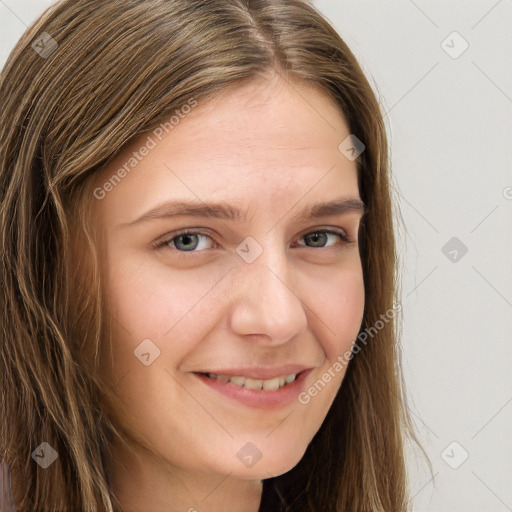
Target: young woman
<point>198,264</point>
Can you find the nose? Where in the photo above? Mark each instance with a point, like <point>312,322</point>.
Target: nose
<point>266,302</point>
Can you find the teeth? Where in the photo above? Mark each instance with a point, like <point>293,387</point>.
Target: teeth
<point>271,384</point>
<point>253,383</point>
<point>246,382</point>
<point>238,381</point>
<point>290,378</point>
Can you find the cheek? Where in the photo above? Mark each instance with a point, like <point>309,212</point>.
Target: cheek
<point>341,308</point>
<point>150,300</point>
<point>173,309</point>
<point>176,310</point>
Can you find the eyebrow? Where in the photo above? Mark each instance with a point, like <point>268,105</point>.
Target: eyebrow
<point>227,212</point>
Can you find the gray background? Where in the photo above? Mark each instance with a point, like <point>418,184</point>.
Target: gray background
<point>449,120</point>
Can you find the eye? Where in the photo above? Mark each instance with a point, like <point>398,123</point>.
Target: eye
<point>190,240</point>
<point>185,241</point>
<point>321,236</point>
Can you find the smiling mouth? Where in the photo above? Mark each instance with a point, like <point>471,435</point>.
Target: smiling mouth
<point>255,384</point>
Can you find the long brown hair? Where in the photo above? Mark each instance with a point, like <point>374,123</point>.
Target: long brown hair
<point>103,73</point>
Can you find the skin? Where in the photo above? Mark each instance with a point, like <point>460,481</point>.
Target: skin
<point>270,148</point>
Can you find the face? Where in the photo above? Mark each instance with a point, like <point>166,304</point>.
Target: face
<point>228,327</point>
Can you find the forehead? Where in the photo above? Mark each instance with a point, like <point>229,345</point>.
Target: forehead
<point>273,114</point>
<point>265,141</point>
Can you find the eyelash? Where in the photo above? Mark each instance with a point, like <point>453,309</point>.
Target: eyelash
<point>165,243</point>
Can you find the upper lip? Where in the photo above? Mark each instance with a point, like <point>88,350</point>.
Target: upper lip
<point>259,372</point>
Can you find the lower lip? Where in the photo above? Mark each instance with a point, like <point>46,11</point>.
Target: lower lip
<point>259,397</point>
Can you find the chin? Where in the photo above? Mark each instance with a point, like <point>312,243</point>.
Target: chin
<point>268,467</point>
